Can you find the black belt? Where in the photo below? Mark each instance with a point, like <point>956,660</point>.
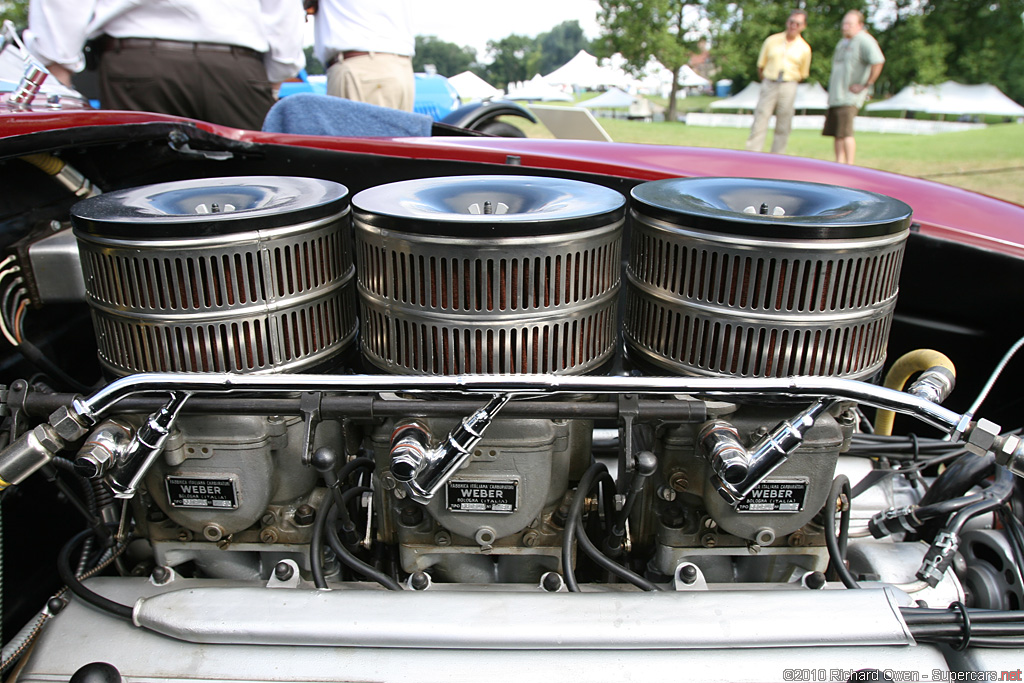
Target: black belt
<point>118,44</point>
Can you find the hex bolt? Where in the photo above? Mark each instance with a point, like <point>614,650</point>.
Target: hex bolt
<point>268,535</point>
<point>847,418</point>
<point>304,515</point>
<point>283,571</point>
<point>688,574</point>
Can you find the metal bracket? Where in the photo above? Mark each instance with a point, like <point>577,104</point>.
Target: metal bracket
<point>309,404</point>
<point>14,416</point>
<point>629,410</point>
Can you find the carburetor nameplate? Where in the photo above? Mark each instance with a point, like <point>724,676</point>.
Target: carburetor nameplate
<point>473,495</point>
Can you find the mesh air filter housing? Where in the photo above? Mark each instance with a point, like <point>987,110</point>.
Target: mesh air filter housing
<point>248,274</point>
<point>716,288</point>
<point>488,274</point>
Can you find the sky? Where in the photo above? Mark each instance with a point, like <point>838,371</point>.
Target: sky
<point>473,22</point>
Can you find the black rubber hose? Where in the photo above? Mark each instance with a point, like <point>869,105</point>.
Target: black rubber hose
<point>576,513</point>
<point>837,545</point>
<point>67,575</point>
<point>947,507</point>
<point>88,492</point>
<point>361,463</point>
<point>994,496</point>
<point>959,477</point>
<point>346,556</point>
<point>316,548</point>
<point>608,492</point>
<point>320,525</point>
<point>610,565</point>
<point>923,616</point>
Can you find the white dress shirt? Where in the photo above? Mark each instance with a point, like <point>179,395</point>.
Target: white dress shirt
<point>368,26</point>
<point>58,29</point>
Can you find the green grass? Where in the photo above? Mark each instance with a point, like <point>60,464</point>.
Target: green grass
<point>988,160</point>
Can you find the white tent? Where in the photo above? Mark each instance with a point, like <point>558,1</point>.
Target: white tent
<point>808,96</point>
<point>611,99</point>
<point>584,71</point>
<point>744,99</point>
<point>537,90</point>
<point>951,98</point>
<point>688,78</point>
<point>472,87</point>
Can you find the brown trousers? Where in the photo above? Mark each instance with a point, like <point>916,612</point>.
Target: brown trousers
<point>225,87</point>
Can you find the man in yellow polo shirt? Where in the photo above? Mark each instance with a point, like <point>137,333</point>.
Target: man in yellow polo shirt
<point>785,60</point>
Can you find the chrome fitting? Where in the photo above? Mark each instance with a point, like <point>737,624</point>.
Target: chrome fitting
<point>145,447</point>
<point>981,437</point>
<point>934,384</point>
<point>69,424</point>
<point>106,446</point>
<point>771,451</point>
<point>938,558</point>
<point>424,471</point>
<point>32,450</point>
<point>409,451</point>
<point>721,446</point>
<point>1009,452</point>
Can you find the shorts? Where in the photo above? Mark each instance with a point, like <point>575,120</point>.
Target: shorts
<point>839,122</point>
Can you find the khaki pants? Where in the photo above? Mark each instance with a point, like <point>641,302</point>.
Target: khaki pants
<point>777,98</point>
<point>377,78</point>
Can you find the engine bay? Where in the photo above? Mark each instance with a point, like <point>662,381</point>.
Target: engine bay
<point>466,412</point>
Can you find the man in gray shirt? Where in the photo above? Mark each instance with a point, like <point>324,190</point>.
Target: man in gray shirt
<point>856,65</point>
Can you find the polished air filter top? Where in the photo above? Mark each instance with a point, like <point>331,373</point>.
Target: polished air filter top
<point>756,277</point>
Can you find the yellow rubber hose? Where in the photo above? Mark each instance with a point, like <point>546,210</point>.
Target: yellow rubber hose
<point>47,163</point>
<point>902,370</point>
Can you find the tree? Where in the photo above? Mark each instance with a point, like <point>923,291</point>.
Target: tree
<point>559,45</point>
<point>513,58</point>
<point>913,54</point>
<point>16,11</point>
<point>668,30</point>
<point>448,58</point>
<point>985,40</point>
<point>313,65</point>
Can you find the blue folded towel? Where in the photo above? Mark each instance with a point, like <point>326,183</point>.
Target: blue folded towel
<point>309,114</point>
